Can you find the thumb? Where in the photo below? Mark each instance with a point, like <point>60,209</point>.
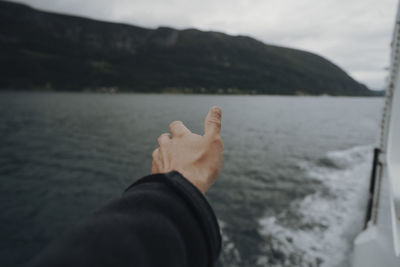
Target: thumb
<point>212,123</point>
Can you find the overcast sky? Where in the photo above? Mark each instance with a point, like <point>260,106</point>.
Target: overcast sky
<point>355,34</point>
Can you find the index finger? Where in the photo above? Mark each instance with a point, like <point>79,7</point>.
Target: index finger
<point>212,123</point>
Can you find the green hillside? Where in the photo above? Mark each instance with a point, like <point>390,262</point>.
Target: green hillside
<point>41,50</point>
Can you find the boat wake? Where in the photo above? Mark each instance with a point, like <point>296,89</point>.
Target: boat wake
<point>230,255</point>
<point>318,230</point>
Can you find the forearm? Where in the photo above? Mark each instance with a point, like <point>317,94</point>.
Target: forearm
<point>162,220</point>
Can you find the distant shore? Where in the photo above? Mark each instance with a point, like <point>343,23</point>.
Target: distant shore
<point>111,91</point>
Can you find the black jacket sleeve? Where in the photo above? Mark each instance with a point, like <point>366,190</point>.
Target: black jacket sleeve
<point>161,220</point>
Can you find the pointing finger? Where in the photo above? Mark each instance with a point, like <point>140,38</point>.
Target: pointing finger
<point>177,128</point>
<point>212,123</point>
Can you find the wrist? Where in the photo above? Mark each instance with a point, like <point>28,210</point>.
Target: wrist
<point>196,179</point>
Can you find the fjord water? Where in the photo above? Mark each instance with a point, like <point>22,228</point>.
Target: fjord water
<point>291,193</point>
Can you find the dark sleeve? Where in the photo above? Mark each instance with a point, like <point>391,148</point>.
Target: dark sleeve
<point>161,220</point>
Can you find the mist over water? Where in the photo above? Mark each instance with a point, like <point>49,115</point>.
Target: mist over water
<point>291,192</point>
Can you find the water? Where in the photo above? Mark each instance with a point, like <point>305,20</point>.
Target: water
<point>291,192</point>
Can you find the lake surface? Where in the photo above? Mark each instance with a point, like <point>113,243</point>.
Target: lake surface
<point>291,192</point>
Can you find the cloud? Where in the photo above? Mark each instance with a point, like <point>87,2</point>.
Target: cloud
<point>355,34</point>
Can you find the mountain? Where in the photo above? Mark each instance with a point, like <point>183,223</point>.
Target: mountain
<point>42,50</point>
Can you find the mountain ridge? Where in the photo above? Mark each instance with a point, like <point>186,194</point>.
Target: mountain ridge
<point>45,50</point>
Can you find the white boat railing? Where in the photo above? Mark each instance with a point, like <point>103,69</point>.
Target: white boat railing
<point>390,133</point>
<point>379,243</point>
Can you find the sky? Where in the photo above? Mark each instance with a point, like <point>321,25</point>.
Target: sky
<point>354,34</point>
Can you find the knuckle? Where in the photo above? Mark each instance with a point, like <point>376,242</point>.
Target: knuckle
<point>155,152</point>
<point>174,124</point>
<point>217,141</point>
<point>163,138</point>
<point>177,128</point>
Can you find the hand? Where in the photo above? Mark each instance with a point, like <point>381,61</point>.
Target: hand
<point>198,158</point>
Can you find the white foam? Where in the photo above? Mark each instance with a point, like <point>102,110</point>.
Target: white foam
<point>230,255</point>
<point>328,219</point>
